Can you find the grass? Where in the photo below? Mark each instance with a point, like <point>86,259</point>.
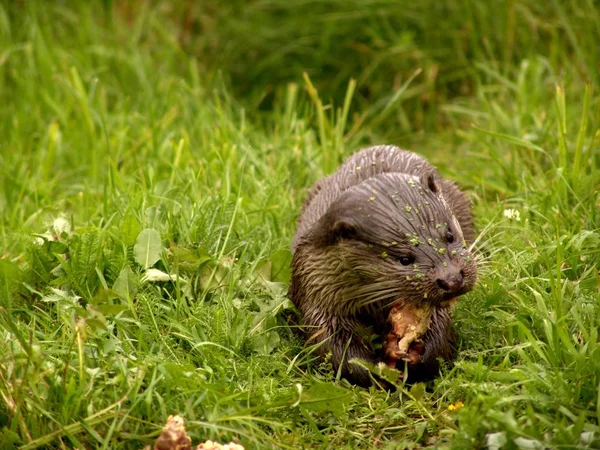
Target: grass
<point>182,138</point>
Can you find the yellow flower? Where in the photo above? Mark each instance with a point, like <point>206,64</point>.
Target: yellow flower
<point>456,406</point>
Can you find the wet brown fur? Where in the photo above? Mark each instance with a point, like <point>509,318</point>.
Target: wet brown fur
<point>356,226</point>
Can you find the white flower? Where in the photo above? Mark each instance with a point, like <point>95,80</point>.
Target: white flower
<point>512,214</point>
<point>61,225</point>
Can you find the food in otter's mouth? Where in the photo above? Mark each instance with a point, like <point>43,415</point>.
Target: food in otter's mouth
<point>409,323</point>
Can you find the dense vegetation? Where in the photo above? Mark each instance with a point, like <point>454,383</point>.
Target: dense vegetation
<point>153,160</point>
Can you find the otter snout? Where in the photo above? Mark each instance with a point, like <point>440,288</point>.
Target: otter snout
<point>451,281</point>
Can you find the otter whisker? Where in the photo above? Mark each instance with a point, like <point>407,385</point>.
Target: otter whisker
<point>380,292</point>
<point>361,298</point>
<point>378,299</point>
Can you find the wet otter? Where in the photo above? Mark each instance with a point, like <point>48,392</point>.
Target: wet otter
<point>384,230</point>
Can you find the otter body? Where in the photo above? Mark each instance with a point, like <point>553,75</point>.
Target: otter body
<point>382,230</point>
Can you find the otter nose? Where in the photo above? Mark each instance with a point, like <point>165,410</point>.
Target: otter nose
<point>451,282</point>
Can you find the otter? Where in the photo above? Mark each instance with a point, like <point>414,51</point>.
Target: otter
<point>383,230</point>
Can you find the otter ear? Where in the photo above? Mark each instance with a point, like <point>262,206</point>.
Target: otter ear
<point>343,229</point>
<point>331,229</point>
<point>428,179</point>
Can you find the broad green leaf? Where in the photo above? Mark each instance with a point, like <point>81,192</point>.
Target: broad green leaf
<point>325,397</point>
<point>265,343</point>
<point>418,391</point>
<point>147,247</point>
<point>111,310</point>
<point>126,283</point>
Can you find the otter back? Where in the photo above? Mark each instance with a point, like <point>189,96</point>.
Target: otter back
<point>370,162</point>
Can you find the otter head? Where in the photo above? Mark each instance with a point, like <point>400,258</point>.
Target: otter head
<point>391,238</point>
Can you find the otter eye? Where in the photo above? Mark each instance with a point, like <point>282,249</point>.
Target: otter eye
<point>449,237</point>
<point>406,260</point>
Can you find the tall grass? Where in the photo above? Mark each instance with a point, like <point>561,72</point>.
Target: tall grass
<point>263,44</point>
<point>153,160</point>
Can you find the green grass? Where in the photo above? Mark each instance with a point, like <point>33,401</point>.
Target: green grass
<point>197,122</point>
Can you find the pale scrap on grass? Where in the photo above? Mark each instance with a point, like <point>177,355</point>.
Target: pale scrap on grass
<point>174,437</point>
